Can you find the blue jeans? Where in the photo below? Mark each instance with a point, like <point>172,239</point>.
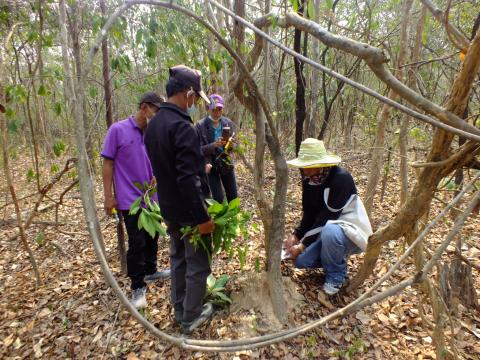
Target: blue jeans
<point>329,251</point>
<point>229,183</point>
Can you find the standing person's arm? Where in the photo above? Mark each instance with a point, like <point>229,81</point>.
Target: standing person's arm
<point>109,152</point>
<point>110,202</point>
<point>208,149</point>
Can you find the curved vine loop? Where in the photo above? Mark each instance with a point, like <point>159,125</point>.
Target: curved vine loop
<point>88,200</point>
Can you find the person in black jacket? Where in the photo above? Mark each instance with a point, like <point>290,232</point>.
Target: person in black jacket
<point>211,130</point>
<point>174,149</point>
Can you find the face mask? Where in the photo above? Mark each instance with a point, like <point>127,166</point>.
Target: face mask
<point>317,180</point>
<point>191,110</point>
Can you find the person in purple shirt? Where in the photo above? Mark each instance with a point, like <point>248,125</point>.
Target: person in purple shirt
<point>125,162</point>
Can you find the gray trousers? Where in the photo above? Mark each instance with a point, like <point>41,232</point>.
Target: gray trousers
<point>189,272</point>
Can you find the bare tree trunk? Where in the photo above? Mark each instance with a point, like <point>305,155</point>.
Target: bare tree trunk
<point>6,165</point>
<point>310,128</point>
<point>411,82</point>
<point>109,119</point>
<point>377,156</point>
<point>300,110</point>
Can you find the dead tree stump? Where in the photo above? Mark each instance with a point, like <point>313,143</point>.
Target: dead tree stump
<point>456,285</point>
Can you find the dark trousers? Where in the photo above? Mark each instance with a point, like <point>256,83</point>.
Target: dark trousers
<point>229,183</point>
<point>189,272</point>
<point>142,251</point>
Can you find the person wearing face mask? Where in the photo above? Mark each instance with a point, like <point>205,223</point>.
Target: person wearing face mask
<point>212,141</point>
<point>334,224</point>
<point>125,162</point>
<point>174,149</point>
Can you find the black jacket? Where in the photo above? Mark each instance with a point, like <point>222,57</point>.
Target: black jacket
<point>174,149</point>
<point>206,133</point>
<point>324,202</point>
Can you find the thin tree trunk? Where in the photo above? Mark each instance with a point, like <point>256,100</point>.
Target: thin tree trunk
<point>109,119</point>
<point>377,156</point>
<point>6,166</point>
<point>411,82</point>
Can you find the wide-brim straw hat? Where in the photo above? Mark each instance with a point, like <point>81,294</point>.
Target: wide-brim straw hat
<point>313,154</point>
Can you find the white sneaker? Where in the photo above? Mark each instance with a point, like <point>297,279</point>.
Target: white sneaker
<point>331,289</point>
<point>138,298</point>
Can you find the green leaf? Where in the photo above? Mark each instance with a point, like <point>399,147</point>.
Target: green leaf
<point>222,280</point>
<point>234,204</point>
<point>311,9</point>
<point>58,147</point>
<point>151,48</point>
<point>42,91</point>
<point>216,208</point>
<point>294,4</point>
<point>30,175</point>
<point>57,108</point>
<point>329,4</point>
<point>138,186</point>
<point>54,168</point>
<point>210,281</point>
<point>224,297</point>
<point>10,113</point>
<point>135,206</point>
<point>92,92</point>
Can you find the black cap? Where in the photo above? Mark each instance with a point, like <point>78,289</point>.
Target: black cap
<point>151,98</point>
<point>189,77</point>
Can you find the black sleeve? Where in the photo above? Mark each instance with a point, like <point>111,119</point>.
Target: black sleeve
<point>341,189</point>
<point>308,217</point>
<point>206,148</point>
<point>187,160</point>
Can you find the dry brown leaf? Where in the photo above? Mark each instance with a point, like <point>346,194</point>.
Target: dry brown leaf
<point>9,340</point>
<point>132,356</point>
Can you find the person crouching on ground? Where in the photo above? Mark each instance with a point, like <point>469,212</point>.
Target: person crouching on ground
<point>335,224</point>
<point>125,162</point>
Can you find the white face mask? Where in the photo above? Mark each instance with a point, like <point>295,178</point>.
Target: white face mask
<point>191,110</point>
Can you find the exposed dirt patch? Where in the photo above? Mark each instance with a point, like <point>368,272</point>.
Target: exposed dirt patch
<point>253,295</point>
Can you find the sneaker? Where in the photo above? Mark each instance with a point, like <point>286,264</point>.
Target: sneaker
<point>331,288</point>
<point>138,298</point>
<point>159,275</point>
<point>189,326</point>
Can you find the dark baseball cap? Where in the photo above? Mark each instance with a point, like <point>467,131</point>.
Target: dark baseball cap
<point>151,98</point>
<point>189,77</point>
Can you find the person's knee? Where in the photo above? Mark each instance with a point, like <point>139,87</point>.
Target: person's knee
<point>332,235</point>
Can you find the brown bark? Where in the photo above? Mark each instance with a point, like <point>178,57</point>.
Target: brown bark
<point>109,119</point>
<point>420,196</point>
<point>6,165</point>
<point>378,149</point>
<point>411,82</point>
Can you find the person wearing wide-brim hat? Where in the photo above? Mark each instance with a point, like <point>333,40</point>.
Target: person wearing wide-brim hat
<point>335,224</point>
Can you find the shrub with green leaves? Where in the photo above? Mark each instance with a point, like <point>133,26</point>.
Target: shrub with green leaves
<point>216,290</point>
<point>230,222</point>
<point>150,218</point>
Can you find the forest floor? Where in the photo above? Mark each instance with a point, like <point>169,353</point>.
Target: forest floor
<point>74,314</point>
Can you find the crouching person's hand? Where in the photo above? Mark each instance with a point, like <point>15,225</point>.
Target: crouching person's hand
<point>206,227</point>
<point>289,242</point>
<point>296,250</point>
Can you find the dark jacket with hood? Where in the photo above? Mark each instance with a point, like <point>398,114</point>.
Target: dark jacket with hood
<point>173,146</point>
